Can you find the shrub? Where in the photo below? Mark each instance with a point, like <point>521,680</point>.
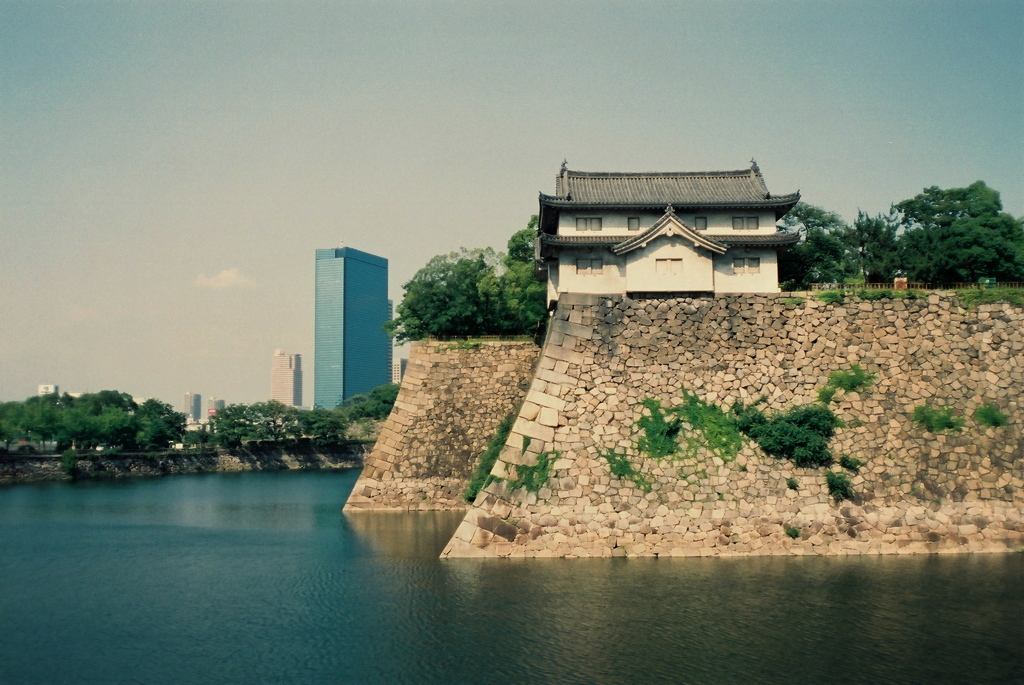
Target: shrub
<point>793,300</point>
<point>830,296</point>
<point>851,381</point>
<point>850,463</point>
<point>793,532</point>
<point>874,294</point>
<point>482,472</point>
<point>989,415</point>
<point>936,420</point>
<point>69,461</point>
<point>800,433</point>
<point>792,484</point>
<point>839,485</point>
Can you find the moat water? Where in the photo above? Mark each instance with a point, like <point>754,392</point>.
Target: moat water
<point>259,578</point>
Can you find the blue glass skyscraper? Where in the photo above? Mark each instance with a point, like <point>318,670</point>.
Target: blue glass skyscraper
<point>352,351</point>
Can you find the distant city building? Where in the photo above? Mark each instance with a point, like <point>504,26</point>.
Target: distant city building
<point>352,351</point>
<point>286,378</point>
<point>398,370</point>
<point>48,389</point>
<point>213,405</point>
<point>193,406</point>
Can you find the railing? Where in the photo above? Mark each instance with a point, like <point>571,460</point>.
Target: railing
<point>917,286</point>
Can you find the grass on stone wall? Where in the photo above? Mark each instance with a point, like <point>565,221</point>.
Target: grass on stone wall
<point>973,297</point>
<point>989,416</point>
<point>839,485</point>
<point>793,532</point>
<point>850,463</point>
<point>659,430</point>
<point>713,428</point>
<point>535,477</point>
<point>936,420</point>
<point>482,472</point>
<point>854,379</point>
<point>622,468</point>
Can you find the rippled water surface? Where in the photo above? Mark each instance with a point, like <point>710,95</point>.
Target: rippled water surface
<point>259,578</point>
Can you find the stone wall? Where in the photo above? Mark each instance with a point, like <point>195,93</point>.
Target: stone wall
<point>917,491</point>
<point>450,404</point>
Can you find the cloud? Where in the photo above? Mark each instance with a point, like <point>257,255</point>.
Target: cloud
<point>228,278</point>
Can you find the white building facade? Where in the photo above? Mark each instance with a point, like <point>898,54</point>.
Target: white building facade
<point>286,378</point>
<point>684,233</point>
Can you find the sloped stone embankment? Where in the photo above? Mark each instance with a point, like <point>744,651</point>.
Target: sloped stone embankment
<point>450,404</point>
<point>917,491</point>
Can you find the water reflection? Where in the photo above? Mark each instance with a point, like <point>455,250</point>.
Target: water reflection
<point>261,578</point>
<point>420,534</point>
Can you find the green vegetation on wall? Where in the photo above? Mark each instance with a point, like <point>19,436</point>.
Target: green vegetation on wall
<point>989,415</point>
<point>482,472</point>
<point>535,477</point>
<point>936,420</point>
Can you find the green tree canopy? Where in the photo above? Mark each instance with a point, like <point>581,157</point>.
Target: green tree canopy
<point>872,246</point>
<point>821,254</point>
<point>376,404</point>
<point>473,292</point>
<point>959,235</point>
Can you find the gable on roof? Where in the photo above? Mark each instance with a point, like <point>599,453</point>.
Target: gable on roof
<point>667,226</point>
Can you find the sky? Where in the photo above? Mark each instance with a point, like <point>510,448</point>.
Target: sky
<point>167,170</point>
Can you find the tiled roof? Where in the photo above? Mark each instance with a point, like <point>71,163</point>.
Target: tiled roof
<point>742,187</point>
<point>625,243</point>
<point>778,239</point>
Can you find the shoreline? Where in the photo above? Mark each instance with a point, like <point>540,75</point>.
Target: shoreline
<point>18,469</point>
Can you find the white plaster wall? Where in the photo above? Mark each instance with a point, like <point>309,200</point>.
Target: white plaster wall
<point>612,278</point>
<point>612,223</point>
<point>616,223</point>
<point>767,281</point>
<point>641,267</point>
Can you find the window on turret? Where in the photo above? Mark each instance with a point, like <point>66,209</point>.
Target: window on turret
<point>589,267</point>
<point>588,223</point>
<point>634,223</point>
<point>744,222</point>
<point>700,223</point>
<point>668,266</point>
<point>746,265</point>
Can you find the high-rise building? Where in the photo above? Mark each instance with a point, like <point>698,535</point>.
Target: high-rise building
<point>398,370</point>
<point>213,405</point>
<point>193,406</point>
<point>286,378</point>
<point>352,350</point>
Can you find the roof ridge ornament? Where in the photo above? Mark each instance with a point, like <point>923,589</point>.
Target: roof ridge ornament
<point>565,165</point>
<point>670,210</point>
<point>753,167</point>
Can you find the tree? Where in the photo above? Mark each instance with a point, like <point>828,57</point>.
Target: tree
<point>273,421</point>
<point>324,427</point>
<point>872,245</point>
<point>820,256</point>
<point>523,296</point>
<point>231,425</point>
<point>158,425</point>
<point>376,404</point>
<point>453,295</point>
<point>473,292</point>
<point>959,235</point>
